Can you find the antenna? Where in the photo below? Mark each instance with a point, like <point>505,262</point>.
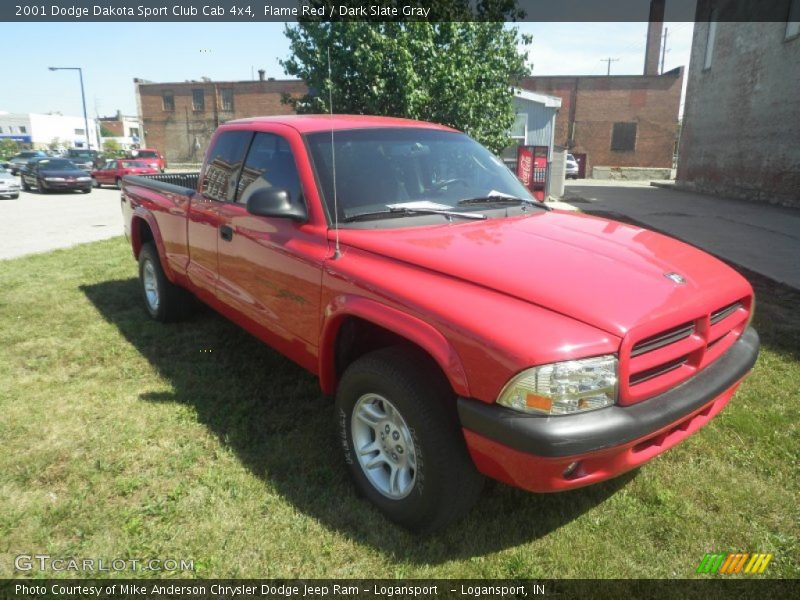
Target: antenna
<point>336,252</point>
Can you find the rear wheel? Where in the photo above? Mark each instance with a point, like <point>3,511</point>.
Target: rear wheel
<point>402,446</point>
<point>25,186</point>
<point>163,300</point>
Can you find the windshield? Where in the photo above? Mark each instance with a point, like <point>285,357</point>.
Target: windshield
<point>58,163</point>
<point>382,167</point>
<point>147,154</point>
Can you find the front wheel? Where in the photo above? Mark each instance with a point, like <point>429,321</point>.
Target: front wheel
<point>402,445</point>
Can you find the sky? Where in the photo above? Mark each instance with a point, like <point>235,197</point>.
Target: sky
<point>112,54</point>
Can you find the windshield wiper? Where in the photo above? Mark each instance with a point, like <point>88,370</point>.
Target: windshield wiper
<point>406,212</point>
<point>502,200</point>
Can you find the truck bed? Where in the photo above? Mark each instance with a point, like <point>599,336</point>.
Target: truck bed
<point>176,183</point>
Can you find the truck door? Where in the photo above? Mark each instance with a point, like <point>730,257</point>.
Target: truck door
<point>217,187</point>
<point>270,269</point>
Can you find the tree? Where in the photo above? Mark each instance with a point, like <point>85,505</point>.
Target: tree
<point>55,145</point>
<point>111,148</point>
<point>8,148</point>
<point>457,73</point>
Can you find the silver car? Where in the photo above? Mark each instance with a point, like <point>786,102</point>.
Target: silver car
<point>9,186</point>
<point>572,169</point>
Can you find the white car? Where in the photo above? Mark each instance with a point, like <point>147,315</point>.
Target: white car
<point>572,167</point>
<point>9,186</point>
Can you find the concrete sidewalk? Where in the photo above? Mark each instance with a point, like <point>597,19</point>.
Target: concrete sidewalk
<point>762,238</point>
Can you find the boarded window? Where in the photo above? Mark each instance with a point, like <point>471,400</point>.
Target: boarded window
<point>623,138</point>
<point>198,99</point>
<point>168,100</point>
<point>227,99</point>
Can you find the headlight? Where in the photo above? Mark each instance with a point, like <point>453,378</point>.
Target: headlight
<point>54,179</point>
<point>563,388</point>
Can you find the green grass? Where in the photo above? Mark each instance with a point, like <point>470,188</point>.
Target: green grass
<point>122,437</point>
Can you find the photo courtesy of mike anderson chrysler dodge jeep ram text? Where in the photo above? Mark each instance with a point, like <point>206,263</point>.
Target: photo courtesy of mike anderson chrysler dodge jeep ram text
<point>464,329</point>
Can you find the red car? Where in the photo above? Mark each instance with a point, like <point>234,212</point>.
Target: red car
<point>113,171</point>
<point>152,157</point>
<point>463,328</point>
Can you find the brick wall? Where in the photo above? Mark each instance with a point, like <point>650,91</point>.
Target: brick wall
<point>590,105</point>
<point>183,133</point>
<point>742,116</point>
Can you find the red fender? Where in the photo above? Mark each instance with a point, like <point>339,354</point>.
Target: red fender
<point>141,214</point>
<point>409,327</point>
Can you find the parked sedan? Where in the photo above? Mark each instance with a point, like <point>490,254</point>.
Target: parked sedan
<point>55,174</point>
<point>18,161</point>
<point>572,169</point>
<point>9,187</point>
<point>114,170</point>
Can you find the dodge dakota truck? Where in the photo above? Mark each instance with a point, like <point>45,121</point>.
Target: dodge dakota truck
<point>461,328</point>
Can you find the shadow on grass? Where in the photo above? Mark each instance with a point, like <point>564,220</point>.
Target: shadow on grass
<point>271,413</point>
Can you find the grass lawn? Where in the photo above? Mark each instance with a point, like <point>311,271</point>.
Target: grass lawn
<point>125,438</point>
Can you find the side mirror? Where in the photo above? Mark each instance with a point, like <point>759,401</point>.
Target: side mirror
<point>275,202</point>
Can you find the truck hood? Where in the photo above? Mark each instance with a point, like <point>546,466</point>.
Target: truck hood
<point>604,273</point>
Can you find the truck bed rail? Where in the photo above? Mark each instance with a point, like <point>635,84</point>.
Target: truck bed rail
<point>167,182</point>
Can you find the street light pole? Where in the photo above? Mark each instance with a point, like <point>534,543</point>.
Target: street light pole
<point>83,100</point>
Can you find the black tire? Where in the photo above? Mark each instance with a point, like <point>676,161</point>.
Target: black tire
<point>25,186</point>
<point>15,197</point>
<point>41,188</point>
<point>445,484</point>
<point>87,191</point>
<point>172,301</point>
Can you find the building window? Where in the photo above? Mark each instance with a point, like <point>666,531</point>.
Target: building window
<point>623,138</point>
<point>710,39</point>
<point>80,132</point>
<point>168,101</point>
<point>23,129</point>
<point>227,99</point>
<point>793,21</point>
<point>198,100</point>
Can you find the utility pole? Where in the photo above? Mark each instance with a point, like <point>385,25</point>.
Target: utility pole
<point>664,49</point>
<point>609,60</point>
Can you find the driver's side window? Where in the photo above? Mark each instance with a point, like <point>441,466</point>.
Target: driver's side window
<point>269,164</point>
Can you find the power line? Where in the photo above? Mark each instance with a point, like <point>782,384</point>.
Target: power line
<point>609,60</point>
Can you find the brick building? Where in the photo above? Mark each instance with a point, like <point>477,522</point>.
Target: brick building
<point>741,126</point>
<point>617,121</point>
<point>179,118</point>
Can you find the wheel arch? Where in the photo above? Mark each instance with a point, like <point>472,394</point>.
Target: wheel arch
<point>354,326</point>
<point>144,229</point>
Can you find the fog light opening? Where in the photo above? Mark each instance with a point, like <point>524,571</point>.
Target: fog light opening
<point>571,469</point>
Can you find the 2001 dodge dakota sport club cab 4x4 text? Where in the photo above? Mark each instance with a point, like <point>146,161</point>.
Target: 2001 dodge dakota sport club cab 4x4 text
<point>464,328</point>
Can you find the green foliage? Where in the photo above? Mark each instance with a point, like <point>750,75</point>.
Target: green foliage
<point>106,132</point>
<point>8,148</point>
<point>112,149</point>
<point>455,73</point>
<point>55,145</point>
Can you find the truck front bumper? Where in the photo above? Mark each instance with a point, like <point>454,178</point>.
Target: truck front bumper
<point>550,454</point>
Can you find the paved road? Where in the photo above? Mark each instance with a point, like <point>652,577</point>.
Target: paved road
<point>42,222</point>
<point>759,237</point>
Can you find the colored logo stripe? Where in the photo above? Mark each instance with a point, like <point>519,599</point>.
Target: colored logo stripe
<point>735,562</point>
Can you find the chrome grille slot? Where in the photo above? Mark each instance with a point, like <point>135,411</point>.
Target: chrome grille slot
<point>663,339</point>
<point>720,314</point>
<point>656,371</point>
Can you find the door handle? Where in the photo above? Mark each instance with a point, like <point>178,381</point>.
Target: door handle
<point>226,232</point>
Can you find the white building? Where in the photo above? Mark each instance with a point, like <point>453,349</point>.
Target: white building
<point>125,130</point>
<point>39,131</point>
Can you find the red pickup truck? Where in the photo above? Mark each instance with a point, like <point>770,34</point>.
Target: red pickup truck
<point>463,328</point>
<point>152,157</point>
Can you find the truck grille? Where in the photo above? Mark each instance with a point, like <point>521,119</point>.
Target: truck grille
<point>657,362</point>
